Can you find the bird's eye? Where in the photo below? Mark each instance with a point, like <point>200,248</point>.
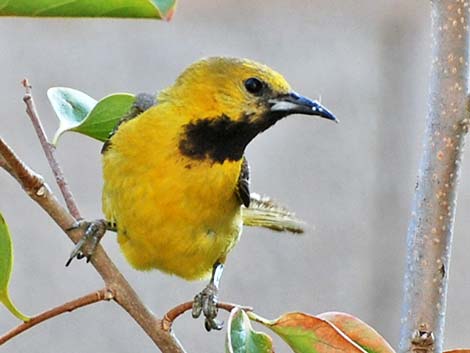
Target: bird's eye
<point>254,86</point>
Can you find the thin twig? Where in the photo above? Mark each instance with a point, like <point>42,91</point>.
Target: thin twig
<point>103,294</point>
<point>49,151</point>
<point>429,239</point>
<point>180,309</point>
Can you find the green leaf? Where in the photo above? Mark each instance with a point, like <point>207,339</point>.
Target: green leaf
<point>241,338</point>
<point>71,107</point>
<point>156,9</point>
<point>80,113</point>
<point>361,333</point>
<point>309,334</point>
<point>6,266</point>
<point>102,119</point>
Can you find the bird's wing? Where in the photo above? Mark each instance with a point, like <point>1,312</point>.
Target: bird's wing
<point>142,102</point>
<point>266,213</point>
<point>243,187</point>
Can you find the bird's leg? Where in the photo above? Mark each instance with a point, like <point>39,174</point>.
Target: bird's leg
<point>86,246</point>
<point>206,301</point>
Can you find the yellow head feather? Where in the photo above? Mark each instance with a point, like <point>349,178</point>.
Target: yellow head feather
<point>216,86</point>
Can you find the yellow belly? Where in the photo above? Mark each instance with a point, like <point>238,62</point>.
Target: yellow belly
<point>175,215</point>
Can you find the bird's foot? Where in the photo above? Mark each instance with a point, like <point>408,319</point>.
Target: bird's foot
<point>93,232</point>
<point>206,303</point>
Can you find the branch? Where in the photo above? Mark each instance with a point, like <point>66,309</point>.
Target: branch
<point>6,166</point>
<point>30,181</point>
<point>3,163</point>
<point>103,294</point>
<point>124,294</point>
<point>49,151</point>
<point>178,310</point>
<point>430,231</point>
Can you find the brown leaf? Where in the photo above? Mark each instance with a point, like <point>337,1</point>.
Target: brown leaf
<point>358,331</point>
<point>309,334</point>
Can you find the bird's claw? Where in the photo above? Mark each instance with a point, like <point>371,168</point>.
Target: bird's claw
<point>206,303</point>
<point>85,247</point>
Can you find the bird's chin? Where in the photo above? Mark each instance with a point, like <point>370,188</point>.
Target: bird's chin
<point>267,120</point>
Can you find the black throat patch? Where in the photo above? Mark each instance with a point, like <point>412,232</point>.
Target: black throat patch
<point>218,139</point>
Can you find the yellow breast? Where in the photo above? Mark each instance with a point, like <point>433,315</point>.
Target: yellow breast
<point>174,214</point>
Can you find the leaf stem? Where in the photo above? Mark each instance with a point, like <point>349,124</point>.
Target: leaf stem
<point>6,300</point>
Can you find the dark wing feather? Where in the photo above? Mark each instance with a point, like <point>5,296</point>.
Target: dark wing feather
<point>142,102</point>
<point>243,187</point>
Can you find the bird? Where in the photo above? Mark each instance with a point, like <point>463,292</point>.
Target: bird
<point>176,180</point>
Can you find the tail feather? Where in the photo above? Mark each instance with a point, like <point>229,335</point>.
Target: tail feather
<point>266,213</point>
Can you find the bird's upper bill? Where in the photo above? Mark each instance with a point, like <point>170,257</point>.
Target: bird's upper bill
<point>293,103</point>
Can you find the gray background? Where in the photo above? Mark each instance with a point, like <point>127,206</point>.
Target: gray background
<point>368,59</point>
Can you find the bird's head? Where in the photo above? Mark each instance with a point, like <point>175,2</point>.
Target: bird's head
<point>228,102</point>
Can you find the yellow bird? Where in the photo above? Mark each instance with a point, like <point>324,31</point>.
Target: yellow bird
<point>176,183</point>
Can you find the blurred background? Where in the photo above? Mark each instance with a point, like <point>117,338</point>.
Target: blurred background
<point>367,59</point>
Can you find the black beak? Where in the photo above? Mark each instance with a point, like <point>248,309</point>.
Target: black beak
<point>294,103</point>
